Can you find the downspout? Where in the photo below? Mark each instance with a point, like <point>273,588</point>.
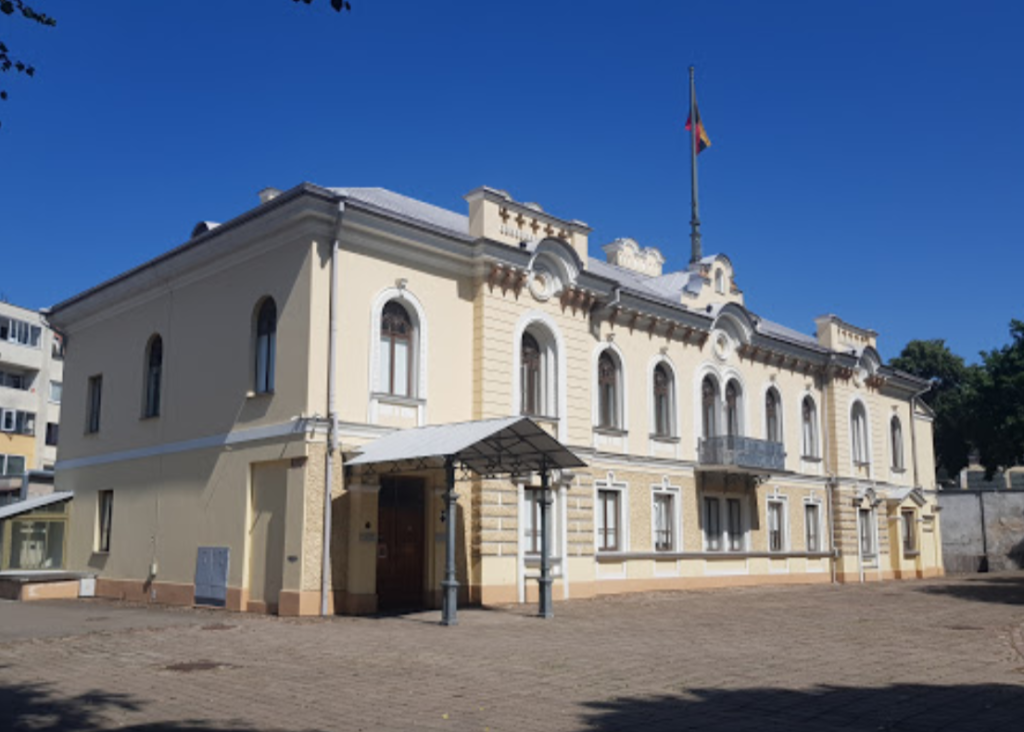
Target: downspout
<point>913,432</point>
<point>332,417</point>
<point>830,479</point>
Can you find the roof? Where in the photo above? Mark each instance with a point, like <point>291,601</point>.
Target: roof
<point>408,208</point>
<point>31,504</point>
<point>769,327</point>
<point>511,445</point>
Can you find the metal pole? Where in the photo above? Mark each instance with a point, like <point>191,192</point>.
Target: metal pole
<point>545,610</point>
<point>450,585</point>
<point>695,247</point>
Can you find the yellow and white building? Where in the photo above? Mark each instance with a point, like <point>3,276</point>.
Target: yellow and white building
<point>720,448</point>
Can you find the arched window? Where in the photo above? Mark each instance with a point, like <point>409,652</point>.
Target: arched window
<point>531,377</point>
<point>154,369</point>
<point>772,416</point>
<point>719,282</point>
<point>664,389</point>
<point>709,407</point>
<point>608,391</point>
<point>733,405</point>
<point>810,428</point>
<point>396,350</point>
<point>859,435</point>
<point>896,441</point>
<point>266,346</point>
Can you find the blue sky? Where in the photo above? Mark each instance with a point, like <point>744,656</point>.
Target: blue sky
<point>867,157</point>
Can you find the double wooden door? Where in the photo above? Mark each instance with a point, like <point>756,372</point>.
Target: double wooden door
<point>401,561</point>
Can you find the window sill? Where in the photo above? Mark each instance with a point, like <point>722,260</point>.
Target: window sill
<point>668,439</point>
<point>913,553</point>
<point>149,417</point>
<point>611,431</point>
<point>259,394</point>
<point>858,464</point>
<point>898,471</point>
<point>810,458</point>
<point>539,417</point>
<point>404,401</point>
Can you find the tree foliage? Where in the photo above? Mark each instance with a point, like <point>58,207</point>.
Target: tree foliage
<point>976,407</point>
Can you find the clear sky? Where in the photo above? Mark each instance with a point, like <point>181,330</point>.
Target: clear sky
<point>867,157</point>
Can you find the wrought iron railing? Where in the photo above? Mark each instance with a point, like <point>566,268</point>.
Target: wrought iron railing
<point>731,451</point>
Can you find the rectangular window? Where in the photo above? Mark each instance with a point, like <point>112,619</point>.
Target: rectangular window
<point>56,390</point>
<point>664,522</point>
<point>909,540</point>
<point>812,523</point>
<point>712,525</point>
<point>14,380</point>
<point>608,521</point>
<point>20,332</point>
<point>776,526</point>
<point>867,534</point>
<point>12,464</point>
<point>106,515</point>
<point>532,524</point>
<point>37,544</point>
<point>7,420</point>
<point>25,423</point>
<point>735,509</point>
<point>92,423</point>
<point>52,428</point>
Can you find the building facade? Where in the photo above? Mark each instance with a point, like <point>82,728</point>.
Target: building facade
<point>721,448</point>
<point>31,386</point>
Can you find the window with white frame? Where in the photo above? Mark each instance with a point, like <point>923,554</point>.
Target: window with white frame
<point>866,528</point>
<point>812,526</point>
<point>908,525</point>
<point>710,401</point>
<point>663,520</point>
<point>12,465</point>
<point>733,409</point>
<point>609,520</point>
<point>532,522</point>
<point>776,525</point>
<point>538,373</point>
<point>15,380</point>
<point>809,428</point>
<point>723,524</point>
<point>56,391</point>
<point>397,351</point>
<point>664,401</point>
<point>104,519</point>
<point>773,415</point>
<point>896,443</point>
<point>719,282</point>
<point>17,421</point>
<point>609,391</point>
<point>859,434</point>
<point>17,331</point>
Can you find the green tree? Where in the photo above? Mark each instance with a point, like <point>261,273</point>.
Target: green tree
<point>952,397</point>
<point>999,410</point>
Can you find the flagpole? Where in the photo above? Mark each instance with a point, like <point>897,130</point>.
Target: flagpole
<point>695,253</point>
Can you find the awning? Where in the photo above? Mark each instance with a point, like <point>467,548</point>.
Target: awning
<point>31,504</point>
<point>489,447</point>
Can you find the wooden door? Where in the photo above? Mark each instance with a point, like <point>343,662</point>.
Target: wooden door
<point>400,550</point>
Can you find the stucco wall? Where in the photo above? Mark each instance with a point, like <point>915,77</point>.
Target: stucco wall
<point>971,543</point>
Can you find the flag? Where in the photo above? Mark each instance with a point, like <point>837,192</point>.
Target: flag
<point>701,140</point>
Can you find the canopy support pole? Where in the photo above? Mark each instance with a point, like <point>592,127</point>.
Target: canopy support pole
<point>545,610</point>
<point>450,585</point>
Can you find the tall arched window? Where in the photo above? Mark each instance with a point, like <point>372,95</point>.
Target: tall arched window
<point>608,391</point>
<point>809,419</point>
<point>709,407</point>
<point>859,434</point>
<point>719,282</point>
<point>396,350</point>
<point>154,369</point>
<point>733,405</point>
<point>664,389</point>
<point>896,441</point>
<point>772,416</point>
<point>531,377</point>
<point>266,346</point>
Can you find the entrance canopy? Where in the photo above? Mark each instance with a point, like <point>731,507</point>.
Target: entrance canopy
<point>489,447</point>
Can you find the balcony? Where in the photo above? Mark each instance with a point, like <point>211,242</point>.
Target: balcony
<point>741,455</point>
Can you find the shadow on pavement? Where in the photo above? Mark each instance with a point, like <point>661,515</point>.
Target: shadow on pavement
<point>909,707</point>
<point>1008,590</point>
<point>39,708</point>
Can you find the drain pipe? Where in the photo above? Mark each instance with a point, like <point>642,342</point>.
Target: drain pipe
<point>913,432</point>
<point>332,417</point>
<point>830,473</point>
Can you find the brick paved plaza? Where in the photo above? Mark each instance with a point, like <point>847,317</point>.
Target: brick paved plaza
<point>945,654</point>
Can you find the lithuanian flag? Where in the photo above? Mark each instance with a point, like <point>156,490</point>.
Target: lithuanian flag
<point>701,140</point>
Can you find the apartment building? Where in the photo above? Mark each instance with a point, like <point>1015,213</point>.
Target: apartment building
<point>719,447</point>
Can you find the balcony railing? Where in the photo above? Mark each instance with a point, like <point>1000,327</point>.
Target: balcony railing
<point>746,454</point>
